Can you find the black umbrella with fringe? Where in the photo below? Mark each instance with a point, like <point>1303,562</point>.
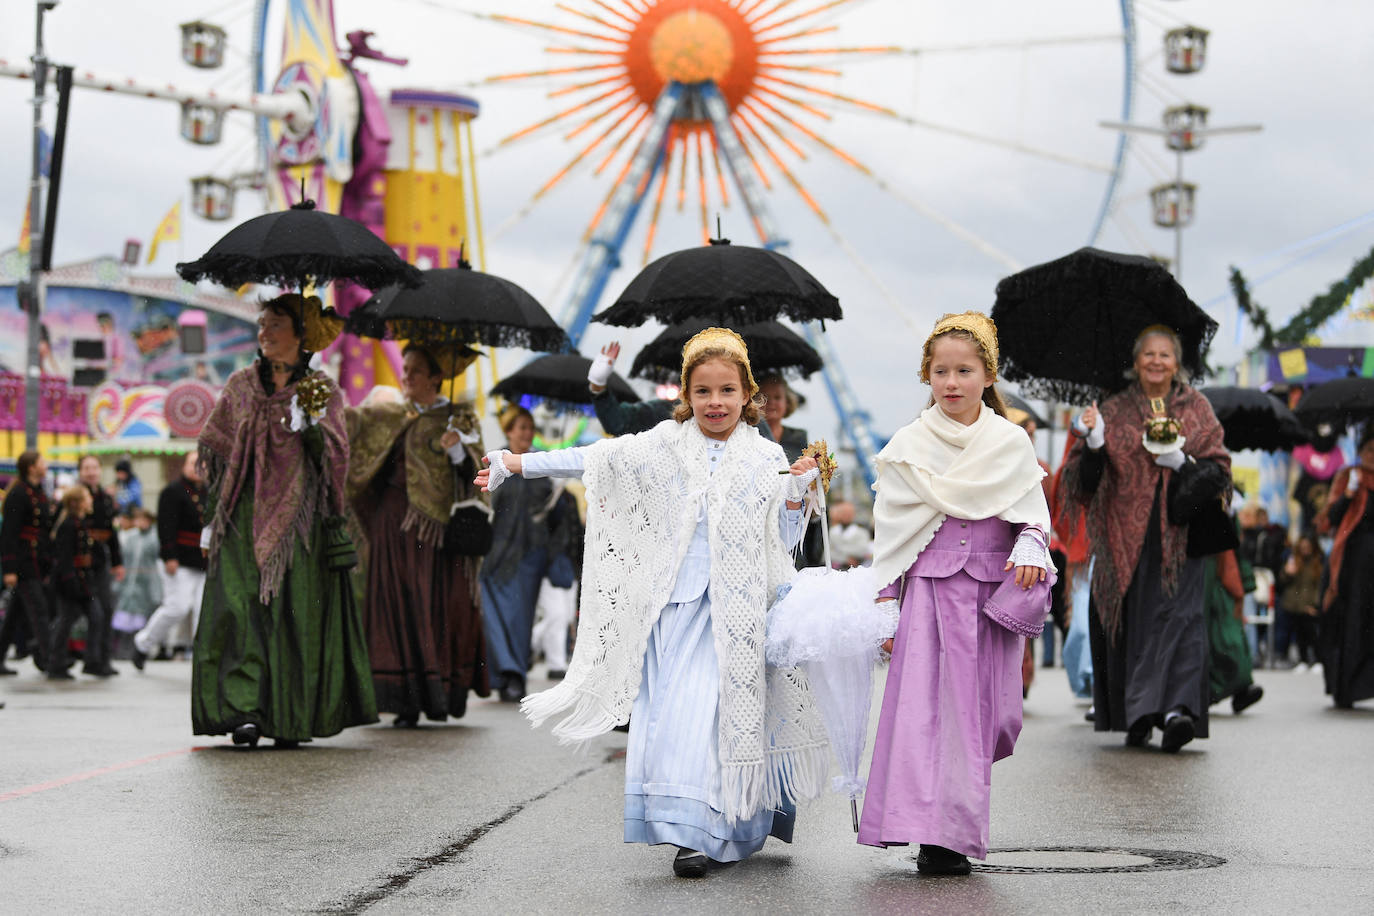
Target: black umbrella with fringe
<point>1067,328</point>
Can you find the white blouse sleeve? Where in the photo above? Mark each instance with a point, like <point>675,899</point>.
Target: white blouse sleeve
<point>565,462</point>
<point>790,524</point>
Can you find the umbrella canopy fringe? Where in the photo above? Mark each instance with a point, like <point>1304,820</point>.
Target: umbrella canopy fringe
<point>759,307</point>
<point>297,271</point>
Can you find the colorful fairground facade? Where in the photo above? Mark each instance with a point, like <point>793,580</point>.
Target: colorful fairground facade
<point>131,365</point>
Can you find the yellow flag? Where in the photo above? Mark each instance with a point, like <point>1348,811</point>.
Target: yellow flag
<point>169,230</point>
<point>26,228</point>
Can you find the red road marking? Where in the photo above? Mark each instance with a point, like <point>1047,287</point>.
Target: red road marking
<point>91,774</point>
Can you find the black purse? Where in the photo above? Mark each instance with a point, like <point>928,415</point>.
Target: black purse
<point>468,532</point>
<point>1212,531</point>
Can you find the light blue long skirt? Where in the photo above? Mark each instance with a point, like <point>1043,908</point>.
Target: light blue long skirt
<point>672,770</point>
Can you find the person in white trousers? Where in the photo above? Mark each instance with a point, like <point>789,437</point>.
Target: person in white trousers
<point>180,518</point>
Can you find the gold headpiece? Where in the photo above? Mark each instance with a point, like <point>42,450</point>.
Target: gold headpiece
<point>453,358</point>
<point>321,325</point>
<point>977,324</point>
<point>717,339</point>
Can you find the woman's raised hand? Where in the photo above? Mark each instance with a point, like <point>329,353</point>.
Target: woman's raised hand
<point>599,373</point>
<point>803,464</point>
<point>1089,417</point>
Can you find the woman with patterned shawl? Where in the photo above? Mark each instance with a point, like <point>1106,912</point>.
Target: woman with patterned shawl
<point>688,529</point>
<point>279,651</point>
<point>411,463</point>
<point>1148,629</point>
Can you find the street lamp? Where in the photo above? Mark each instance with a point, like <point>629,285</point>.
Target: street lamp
<point>1174,202</point>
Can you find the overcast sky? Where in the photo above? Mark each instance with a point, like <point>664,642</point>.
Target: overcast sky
<point>1303,71</point>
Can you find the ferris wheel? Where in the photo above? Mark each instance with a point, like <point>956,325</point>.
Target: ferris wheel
<point>685,108</point>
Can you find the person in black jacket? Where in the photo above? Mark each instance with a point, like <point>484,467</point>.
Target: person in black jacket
<point>107,566</point>
<point>26,557</point>
<point>73,576</point>
<point>180,518</point>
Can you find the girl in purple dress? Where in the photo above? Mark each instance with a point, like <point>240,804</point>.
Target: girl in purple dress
<point>961,540</point>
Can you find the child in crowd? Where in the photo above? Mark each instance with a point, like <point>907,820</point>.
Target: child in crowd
<point>141,591</point>
<point>961,533</point>
<point>73,575</point>
<point>688,530</point>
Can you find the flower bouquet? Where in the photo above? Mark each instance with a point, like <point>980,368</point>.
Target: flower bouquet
<point>309,402</point>
<point>1162,435</point>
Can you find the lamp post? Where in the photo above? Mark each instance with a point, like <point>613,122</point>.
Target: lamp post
<point>1181,137</point>
<point>32,294</point>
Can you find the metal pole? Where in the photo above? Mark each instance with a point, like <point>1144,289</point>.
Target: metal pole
<point>1178,220</point>
<point>35,303</point>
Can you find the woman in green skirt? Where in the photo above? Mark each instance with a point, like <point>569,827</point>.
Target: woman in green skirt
<point>279,650</point>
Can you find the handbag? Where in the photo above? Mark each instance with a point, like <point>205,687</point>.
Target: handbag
<point>468,532</point>
<point>1212,531</point>
<point>339,553</point>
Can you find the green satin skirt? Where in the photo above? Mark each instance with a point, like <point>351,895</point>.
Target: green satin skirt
<point>297,667</point>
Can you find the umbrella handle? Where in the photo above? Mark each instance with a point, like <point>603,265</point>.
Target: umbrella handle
<point>825,529</point>
<point>854,813</point>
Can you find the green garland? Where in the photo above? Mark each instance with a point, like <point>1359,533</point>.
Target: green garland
<point>1306,322</point>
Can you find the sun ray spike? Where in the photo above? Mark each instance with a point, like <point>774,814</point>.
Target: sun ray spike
<point>787,173</point>
<point>586,52</point>
<point>558,116</point>
<point>793,36</point>
<point>619,144</point>
<point>590,84</point>
<point>608,111</point>
<point>836,96</point>
<point>615,12</point>
<point>747,8</point>
<point>772,11</point>
<point>720,172</point>
<point>739,121</point>
<point>795,68</point>
<point>682,175</point>
<point>658,202</point>
<point>560,29</point>
<point>701,190</point>
<point>774,129</point>
<point>792,100</point>
<point>805,14</point>
<point>580,157</point>
<point>556,71</point>
<point>605,204</point>
<point>831,52</point>
<point>591,17</point>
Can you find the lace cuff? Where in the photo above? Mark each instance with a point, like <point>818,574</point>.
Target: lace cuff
<point>890,609</point>
<point>1030,549</point>
<point>795,486</point>
<point>499,471</point>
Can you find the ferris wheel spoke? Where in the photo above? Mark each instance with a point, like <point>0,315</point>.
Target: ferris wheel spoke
<point>627,103</point>
<point>720,172</point>
<point>791,100</point>
<point>550,27</point>
<point>793,36</point>
<point>533,129</point>
<point>538,74</point>
<point>1015,145</point>
<point>619,144</point>
<point>592,17</point>
<point>1130,230</point>
<point>748,106</point>
<point>1016,45</point>
<point>681,151</point>
<point>701,190</point>
<point>779,164</point>
<point>658,200</point>
<point>832,96</point>
<point>759,21</point>
<point>588,84</point>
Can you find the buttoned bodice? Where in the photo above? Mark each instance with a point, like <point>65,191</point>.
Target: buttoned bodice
<point>978,547</point>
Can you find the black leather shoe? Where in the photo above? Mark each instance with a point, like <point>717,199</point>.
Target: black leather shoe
<point>1178,731</point>
<point>1139,733</point>
<point>62,675</point>
<point>1246,697</point>
<point>407,721</point>
<point>690,864</point>
<point>247,734</point>
<point>139,658</point>
<point>937,860</point>
<point>513,690</point>
<point>107,671</point>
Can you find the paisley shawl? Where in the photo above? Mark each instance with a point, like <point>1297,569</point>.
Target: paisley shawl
<point>1118,510</point>
<point>246,443</point>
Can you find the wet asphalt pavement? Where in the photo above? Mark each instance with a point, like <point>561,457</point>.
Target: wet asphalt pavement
<point>109,805</point>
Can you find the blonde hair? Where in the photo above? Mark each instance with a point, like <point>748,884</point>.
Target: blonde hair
<point>725,345</point>
<point>991,396</point>
<point>512,413</point>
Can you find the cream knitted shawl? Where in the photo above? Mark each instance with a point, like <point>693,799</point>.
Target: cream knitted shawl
<point>643,497</point>
<point>936,467</point>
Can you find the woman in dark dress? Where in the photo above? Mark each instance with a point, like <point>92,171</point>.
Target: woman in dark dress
<point>279,649</point>
<point>1147,629</point>
<point>1347,623</point>
<point>411,462</point>
<point>515,567</point>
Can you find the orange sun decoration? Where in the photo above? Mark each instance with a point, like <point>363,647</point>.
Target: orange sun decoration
<point>754,51</point>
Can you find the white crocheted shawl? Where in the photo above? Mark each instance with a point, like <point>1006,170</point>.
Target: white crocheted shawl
<point>643,497</point>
